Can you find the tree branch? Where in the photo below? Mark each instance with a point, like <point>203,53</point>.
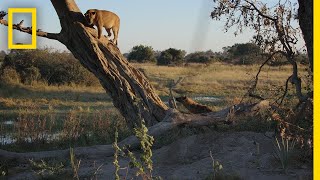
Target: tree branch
<point>286,90</point>
<point>28,30</point>
<point>259,12</point>
<point>252,89</point>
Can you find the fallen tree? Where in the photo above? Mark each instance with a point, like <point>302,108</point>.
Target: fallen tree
<point>173,119</point>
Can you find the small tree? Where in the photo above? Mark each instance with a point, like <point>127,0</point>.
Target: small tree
<point>245,49</point>
<point>200,57</point>
<point>2,55</point>
<point>141,54</point>
<point>277,33</point>
<point>171,56</point>
<point>245,53</point>
<point>274,27</point>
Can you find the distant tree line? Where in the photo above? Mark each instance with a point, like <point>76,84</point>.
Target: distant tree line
<point>58,68</point>
<point>52,68</point>
<point>241,54</point>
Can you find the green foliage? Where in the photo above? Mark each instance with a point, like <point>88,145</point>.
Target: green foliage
<point>201,57</point>
<point>9,75</point>
<point>46,66</point>
<point>30,75</point>
<point>4,169</point>
<point>146,142</point>
<point>116,154</point>
<point>217,173</point>
<point>244,49</point>
<point>283,151</point>
<point>245,54</point>
<point>75,164</point>
<point>53,169</point>
<point>171,56</point>
<point>250,53</point>
<point>280,59</point>
<point>144,165</point>
<point>45,169</point>
<point>142,54</point>
<point>216,166</point>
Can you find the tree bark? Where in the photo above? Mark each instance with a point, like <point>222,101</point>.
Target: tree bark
<point>305,15</point>
<point>131,92</point>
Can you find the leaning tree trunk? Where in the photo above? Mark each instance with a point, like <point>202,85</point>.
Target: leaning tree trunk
<point>305,15</point>
<point>130,91</point>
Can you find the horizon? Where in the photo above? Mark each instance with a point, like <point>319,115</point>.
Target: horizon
<point>187,27</point>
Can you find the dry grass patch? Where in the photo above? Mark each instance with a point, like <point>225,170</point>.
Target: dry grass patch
<point>215,79</point>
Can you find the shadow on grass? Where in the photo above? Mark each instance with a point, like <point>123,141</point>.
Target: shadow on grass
<point>17,91</point>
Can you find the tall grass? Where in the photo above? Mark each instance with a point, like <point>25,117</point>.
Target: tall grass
<point>35,130</point>
<point>57,116</point>
<point>216,79</point>
<point>283,151</point>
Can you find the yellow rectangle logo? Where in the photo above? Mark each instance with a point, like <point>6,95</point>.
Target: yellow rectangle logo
<point>33,44</point>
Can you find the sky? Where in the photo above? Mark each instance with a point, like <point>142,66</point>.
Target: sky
<point>162,24</point>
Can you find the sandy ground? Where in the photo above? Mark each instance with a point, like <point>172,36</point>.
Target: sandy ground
<point>189,158</point>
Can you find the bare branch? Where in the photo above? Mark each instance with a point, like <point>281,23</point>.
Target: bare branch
<point>28,30</point>
<point>286,90</point>
<point>259,12</point>
<point>253,87</point>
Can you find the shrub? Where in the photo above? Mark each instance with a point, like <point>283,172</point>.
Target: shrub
<point>171,56</point>
<point>141,54</point>
<point>30,75</point>
<point>201,57</point>
<point>249,59</point>
<point>245,54</point>
<point>283,151</point>
<point>47,66</point>
<point>9,75</point>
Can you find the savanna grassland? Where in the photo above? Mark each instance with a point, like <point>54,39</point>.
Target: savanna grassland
<point>57,117</point>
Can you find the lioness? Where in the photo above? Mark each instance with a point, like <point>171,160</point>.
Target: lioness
<point>106,19</point>
<point>193,106</point>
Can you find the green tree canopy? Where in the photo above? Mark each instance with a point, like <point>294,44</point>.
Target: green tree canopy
<point>171,56</point>
<point>201,57</point>
<point>245,49</point>
<point>141,54</point>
